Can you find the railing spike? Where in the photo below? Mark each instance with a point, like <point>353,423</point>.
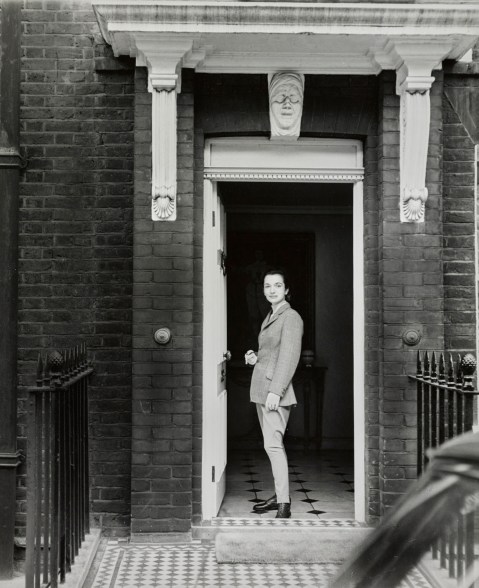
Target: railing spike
<point>418,364</point>
<point>442,370</point>
<point>46,371</point>
<point>458,370</point>
<point>426,364</point>
<point>450,371</point>
<point>39,370</point>
<point>433,364</point>
<point>64,354</point>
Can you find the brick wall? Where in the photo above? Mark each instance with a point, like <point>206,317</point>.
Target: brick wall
<point>373,317</point>
<point>76,230</point>
<point>163,271</point>
<point>459,226</point>
<point>411,283</point>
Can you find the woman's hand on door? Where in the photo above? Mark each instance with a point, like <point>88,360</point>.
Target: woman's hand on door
<point>250,357</point>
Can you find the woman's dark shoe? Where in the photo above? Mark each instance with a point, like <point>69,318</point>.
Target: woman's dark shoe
<point>269,504</point>
<point>284,510</point>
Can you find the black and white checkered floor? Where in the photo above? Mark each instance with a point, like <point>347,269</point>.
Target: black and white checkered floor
<point>191,565</point>
<point>321,485</point>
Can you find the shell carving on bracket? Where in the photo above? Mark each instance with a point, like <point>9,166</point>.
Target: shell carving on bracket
<point>413,203</point>
<point>164,202</point>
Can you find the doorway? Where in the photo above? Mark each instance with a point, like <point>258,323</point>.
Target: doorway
<point>307,230</point>
<point>244,178</point>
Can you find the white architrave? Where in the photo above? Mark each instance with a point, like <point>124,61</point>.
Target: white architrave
<point>250,159</point>
<point>164,59</point>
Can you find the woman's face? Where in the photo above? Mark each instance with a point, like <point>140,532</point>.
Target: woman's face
<point>274,288</point>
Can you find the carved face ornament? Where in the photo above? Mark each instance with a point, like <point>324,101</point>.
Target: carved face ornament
<point>286,91</point>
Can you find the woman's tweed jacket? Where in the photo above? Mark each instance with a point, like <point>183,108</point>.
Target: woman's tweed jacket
<point>278,356</point>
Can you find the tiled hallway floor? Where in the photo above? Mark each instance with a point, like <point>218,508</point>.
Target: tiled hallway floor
<point>321,484</point>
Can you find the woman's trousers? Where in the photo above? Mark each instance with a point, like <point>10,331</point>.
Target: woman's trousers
<point>273,425</point>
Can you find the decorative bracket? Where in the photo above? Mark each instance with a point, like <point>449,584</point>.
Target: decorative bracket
<point>164,59</point>
<point>415,117</point>
<point>414,61</point>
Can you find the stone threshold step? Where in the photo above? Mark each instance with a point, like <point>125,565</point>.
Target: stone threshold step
<point>208,530</point>
<point>283,544</point>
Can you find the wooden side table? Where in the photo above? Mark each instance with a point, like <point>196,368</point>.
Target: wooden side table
<point>312,380</point>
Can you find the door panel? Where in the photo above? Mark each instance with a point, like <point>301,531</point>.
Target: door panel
<point>214,363</point>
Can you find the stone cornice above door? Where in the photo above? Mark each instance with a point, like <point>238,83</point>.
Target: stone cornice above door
<point>251,37</point>
<point>226,36</point>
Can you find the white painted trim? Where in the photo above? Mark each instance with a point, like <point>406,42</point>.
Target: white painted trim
<point>285,175</point>
<point>255,157</point>
<point>209,354</point>
<point>359,344</point>
<point>358,290</point>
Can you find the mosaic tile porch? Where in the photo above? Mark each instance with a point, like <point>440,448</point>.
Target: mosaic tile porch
<point>322,496</point>
<point>121,565</point>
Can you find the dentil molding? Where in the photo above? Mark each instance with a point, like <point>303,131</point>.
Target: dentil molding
<point>293,175</point>
<point>304,37</point>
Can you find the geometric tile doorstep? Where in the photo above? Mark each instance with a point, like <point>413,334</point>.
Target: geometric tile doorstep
<point>194,565</point>
<point>258,522</point>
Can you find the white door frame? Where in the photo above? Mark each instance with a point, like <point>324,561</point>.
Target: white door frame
<point>252,159</point>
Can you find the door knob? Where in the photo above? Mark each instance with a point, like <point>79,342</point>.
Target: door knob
<point>227,355</point>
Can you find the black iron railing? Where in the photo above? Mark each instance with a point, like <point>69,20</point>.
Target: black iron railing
<point>445,409</point>
<point>57,466</point>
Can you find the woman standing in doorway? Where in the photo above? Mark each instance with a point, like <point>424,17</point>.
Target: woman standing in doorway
<point>279,350</point>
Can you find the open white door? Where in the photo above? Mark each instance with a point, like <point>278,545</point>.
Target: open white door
<point>215,354</point>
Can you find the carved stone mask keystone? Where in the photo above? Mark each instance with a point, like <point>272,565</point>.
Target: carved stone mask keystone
<point>286,93</point>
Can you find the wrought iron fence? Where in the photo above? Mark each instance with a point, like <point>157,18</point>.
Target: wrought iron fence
<point>445,409</point>
<point>57,466</point>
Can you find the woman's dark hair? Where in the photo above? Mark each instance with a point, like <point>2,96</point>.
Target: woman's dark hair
<point>280,272</point>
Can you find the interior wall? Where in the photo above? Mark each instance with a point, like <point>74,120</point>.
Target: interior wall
<point>334,323</point>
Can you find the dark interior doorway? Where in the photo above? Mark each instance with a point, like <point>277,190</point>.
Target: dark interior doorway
<point>307,230</point>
